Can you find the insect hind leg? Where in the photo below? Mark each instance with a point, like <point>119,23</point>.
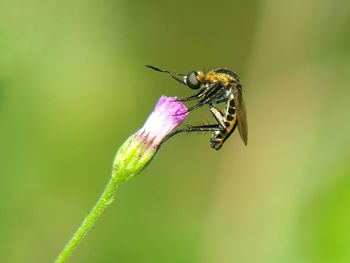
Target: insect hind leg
<point>199,128</point>
<point>219,117</point>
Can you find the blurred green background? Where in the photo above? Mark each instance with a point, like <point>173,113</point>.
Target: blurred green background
<point>73,87</point>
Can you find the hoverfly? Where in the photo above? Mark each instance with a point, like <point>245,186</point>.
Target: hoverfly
<point>215,87</point>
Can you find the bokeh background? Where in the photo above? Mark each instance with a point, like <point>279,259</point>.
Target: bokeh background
<point>73,87</point>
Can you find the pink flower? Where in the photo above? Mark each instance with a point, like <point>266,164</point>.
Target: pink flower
<point>139,149</point>
<point>167,115</point>
<point>133,156</point>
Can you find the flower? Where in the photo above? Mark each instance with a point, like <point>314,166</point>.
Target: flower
<point>140,148</point>
<point>131,158</point>
<point>166,117</point>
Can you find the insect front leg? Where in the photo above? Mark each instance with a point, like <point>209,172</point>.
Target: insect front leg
<point>199,104</point>
<point>207,98</point>
<point>196,96</point>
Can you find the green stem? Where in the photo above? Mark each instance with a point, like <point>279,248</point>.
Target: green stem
<point>130,159</point>
<point>103,202</point>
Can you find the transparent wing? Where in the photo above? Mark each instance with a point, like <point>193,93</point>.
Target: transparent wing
<point>241,113</point>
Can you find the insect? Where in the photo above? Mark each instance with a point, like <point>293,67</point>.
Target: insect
<point>215,87</point>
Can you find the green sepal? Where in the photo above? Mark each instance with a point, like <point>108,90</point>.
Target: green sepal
<point>131,158</point>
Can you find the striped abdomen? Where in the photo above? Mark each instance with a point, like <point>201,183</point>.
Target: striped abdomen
<point>230,122</point>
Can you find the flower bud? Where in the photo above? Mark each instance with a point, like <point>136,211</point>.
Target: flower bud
<point>140,148</point>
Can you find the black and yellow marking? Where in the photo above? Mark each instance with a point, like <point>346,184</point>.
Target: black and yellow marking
<point>214,87</point>
<point>230,121</point>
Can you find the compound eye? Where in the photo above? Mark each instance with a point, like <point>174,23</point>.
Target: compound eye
<point>192,80</point>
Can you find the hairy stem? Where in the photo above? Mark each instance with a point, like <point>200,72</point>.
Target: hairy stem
<point>131,158</point>
<point>103,202</point>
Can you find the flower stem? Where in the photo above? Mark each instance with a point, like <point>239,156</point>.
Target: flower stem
<point>131,158</point>
<point>103,202</point>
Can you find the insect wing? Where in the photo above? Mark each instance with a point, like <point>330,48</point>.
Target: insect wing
<point>241,114</point>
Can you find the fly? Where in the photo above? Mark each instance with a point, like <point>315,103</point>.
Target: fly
<point>215,87</point>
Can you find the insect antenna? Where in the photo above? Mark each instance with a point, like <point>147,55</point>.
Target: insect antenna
<point>173,74</point>
<point>163,70</point>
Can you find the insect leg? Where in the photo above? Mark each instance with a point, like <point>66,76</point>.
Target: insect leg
<point>212,92</point>
<point>196,96</point>
<point>217,115</point>
<point>209,93</point>
<point>208,97</point>
<point>200,128</point>
<point>199,104</point>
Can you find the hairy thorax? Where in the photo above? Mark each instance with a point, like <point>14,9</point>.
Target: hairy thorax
<point>214,77</point>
